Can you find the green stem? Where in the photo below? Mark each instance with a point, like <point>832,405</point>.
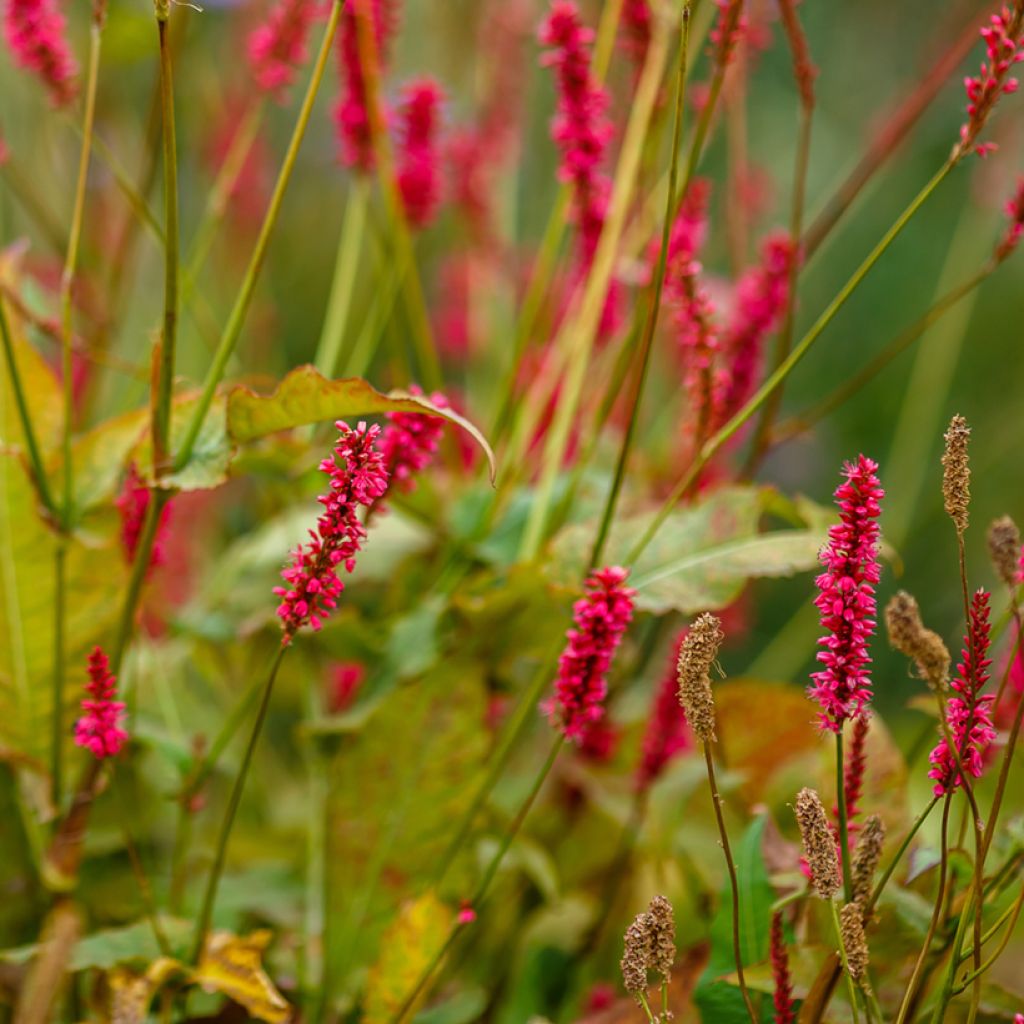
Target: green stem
<point>646,1007</point>
<point>233,328</point>
<point>716,800</point>
<point>39,478</point>
<point>57,712</point>
<point>651,320</point>
<point>844,825</point>
<point>168,338</point>
<point>775,379</point>
<point>485,882</point>
<point>210,897</point>
<point>907,839</point>
<point>332,338</point>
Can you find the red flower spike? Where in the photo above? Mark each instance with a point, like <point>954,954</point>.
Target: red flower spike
<point>1015,229</point>
<point>783,996</point>
<point>132,503</point>
<point>99,729</point>
<point>419,161</point>
<point>35,31</point>
<point>410,441</point>
<point>667,734</point>
<point>969,714</point>
<point>601,618</point>
<point>358,477</point>
<point>847,597</point>
<point>277,48</point>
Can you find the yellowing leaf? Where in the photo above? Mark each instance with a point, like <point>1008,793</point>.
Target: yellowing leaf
<point>306,396</point>
<point>232,965</point>
<point>407,948</point>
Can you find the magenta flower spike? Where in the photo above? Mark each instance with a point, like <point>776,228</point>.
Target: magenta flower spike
<point>601,617</point>
<point>35,31</point>
<point>667,734</point>
<point>419,159</point>
<point>132,503</point>
<point>969,713</point>
<point>277,48</point>
<point>358,478</point>
<point>99,729</point>
<point>410,441</point>
<point>1015,229</point>
<point>846,600</point>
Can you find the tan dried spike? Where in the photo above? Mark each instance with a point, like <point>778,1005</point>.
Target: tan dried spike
<point>637,951</point>
<point>1004,549</point>
<point>956,473</point>
<point>865,859</point>
<point>696,656</point>
<point>909,635</point>
<point>819,845</point>
<point>854,943</point>
<point>663,943</point>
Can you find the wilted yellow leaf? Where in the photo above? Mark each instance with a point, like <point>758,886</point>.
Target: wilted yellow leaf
<point>232,965</point>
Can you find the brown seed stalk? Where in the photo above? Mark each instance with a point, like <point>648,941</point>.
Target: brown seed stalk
<point>696,656</point>
<point>819,844</point>
<point>1004,549</point>
<point>908,634</point>
<point>956,473</point>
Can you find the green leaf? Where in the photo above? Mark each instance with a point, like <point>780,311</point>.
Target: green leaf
<point>720,1002</point>
<point>702,556</point>
<point>95,578</point>
<point>304,396</point>
<point>463,1008</point>
<point>211,457</point>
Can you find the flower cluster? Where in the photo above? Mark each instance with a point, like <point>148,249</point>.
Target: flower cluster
<point>667,734</point>
<point>728,30</point>
<point>278,46</point>
<point>419,164</point>
<point>761,297</point>
<point>636,29</point>
<point>1015,229</point>
<point>99,729</point>
<point>847,597</point>
<point>969,713</point>
<point>358,477</point>
<point>35,34</point>
<point>352,114</point>
<point>601,617</point>
<point>132,503</point>
<point>410,440</point>
<point>1004,45</point>
<point>782,998</point>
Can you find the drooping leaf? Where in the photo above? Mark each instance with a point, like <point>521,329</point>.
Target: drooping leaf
<point>702,555</point>
<point>232,965</point>
<point>407,947</point>
<point>719,1001</point>
<point>305,396</point>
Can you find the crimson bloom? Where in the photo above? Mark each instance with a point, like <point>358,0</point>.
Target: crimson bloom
<point>278,46</point>
<point>667,734</point>
<point>601,618</point>
<point>419,161</point>
<point>410,440</point>
<point>35,31</point>
<point>99,729</point>
<point>846,600</point>
<point>969,713</point>
<point>358,477</point>
<point>132,503</point>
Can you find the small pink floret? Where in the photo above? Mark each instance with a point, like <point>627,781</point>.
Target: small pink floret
<point>35,31</point>
<point>99,729</point>
<point>277,48</point>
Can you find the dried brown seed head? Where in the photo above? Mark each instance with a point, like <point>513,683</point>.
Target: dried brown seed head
<point>637,952</point>
<point>1004,549</point>
<point>865,859</point>
<point>819,845</point>
<point>663,954</point>
<point>854,943</point>
<point>956,473</point>
<point>697,654</point>
<point>908,634</point>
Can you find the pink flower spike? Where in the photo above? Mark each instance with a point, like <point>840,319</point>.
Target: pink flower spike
<point>410,441</point>
<point>667,734</point>
<point>969,713</point>
<point>132,503</point>
<point>358,477</point>
<point>783,996</point>
<point>601,618</point>
<point>277,48</point>
<point>1015,229</point>
<point>466,915</point>
<point>847,597</point>
<point>636,29</point>
<point>35,31</point>
<point>728,30</point>
<point>1004,47</point>
<point>99,729</point>
<point>419,161</point>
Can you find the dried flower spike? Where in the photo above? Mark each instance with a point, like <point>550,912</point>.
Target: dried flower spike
<point>1004,549</point>
<point>601,618</point>
<point>35,31</point>
<point>637,952</point>
<point>696,656</point>
<point>99,729</point>
<point>956,473</point>
<point>847,597</point>
<point>663,938</point>
<point>783,994</point>
<point>358,477</point>
<point>907,633</point>
<point>969,713</point>
<point>819,844</point>
<point>865,859</point>
<point>854,942</point>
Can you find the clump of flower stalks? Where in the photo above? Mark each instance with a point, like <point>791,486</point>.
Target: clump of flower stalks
<point>414,492</point>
